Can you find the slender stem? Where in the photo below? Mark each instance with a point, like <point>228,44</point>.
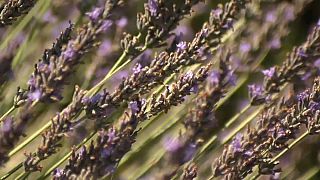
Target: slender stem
<point>7,113</point>
<point>31,138</point>
<point>232,120</point>
<point>242,125</point>
<point>65,157</point>
<point>12,171</point>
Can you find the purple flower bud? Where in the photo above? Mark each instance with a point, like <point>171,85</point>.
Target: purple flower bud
<point>269,72</point>
<point>245,47</point>
<point>106,24</point>
<point>315,106</point>
<point>182,45</point>
<point>171,144</point>
<point>280,133</point>
<point>302,53</point>
<point>303,96</point>
<point>271,17</point>
<point>275,43</point>
<point>7,125</point>
<point>34,96</point>
<point>255,91</point>
<point>121,23</point>
<point>229,24</point>
<point>188,75</point>
<point>57,173</point>
<point>236,143</point>
<point>111,135</point>
<point>48,17</point>
<point>153,7</point>
<point>289,13</point>
<point>317,64</point>
<point>134,107</point>
<point>95,14</point>
<point>217,12</point>
<point>137,68</point>
<point>232,79</point>
<point>195,89</point>
<point>105,48</point>
<point>214,77</point>
<point>69,53</point>
<point>248,153</point>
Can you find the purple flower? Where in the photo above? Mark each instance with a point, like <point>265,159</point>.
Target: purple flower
<point>232,79</point>
<point>302,53</point>
<point>188,75</point>
<point>318,23</point>
<point>171,144</point>
<point>153,7</point>
<point>271,17</point>
<point>269,72</point>
<point>289,13</point>
<point>137,68</point>
<point>317,64</point>
<point>217,12</point>
<point>248,153</point>
<point>182,45</point>
<point>134,107</point>
<point>57,173</point>
<point>303,96</point>
<point>106,24</point>
<point>236,143</point>
<point>275,43</point>
<point>95,14</point>
<point>255,91</point>
<point>280,133</point>
<point>34,96</point>
<point>245,47</point>
<point>229,24</point>
<point>7,125</point>
<point>121,23</point>
<point>111,135</point>
<point>48,17</point>
<point>314,106</point>
<point>105,48</point>
<point>214,77</point>
<point>194,89</point>
<point>69,53</point>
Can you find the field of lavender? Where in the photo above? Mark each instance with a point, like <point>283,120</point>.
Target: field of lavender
<point>160,89</point>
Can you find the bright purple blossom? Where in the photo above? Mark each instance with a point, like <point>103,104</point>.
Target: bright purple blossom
<point>153,7</point>
<point>95,14</point>
<point>171,144</point>
<point>106,24</point>
<point>122,22</point>
<point>182,45</point>
<point>134,107</point>
<point>269,72</point>
<point>245,47</point>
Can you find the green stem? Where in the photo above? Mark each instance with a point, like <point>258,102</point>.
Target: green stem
<point>65,157</point>
<point>31,138</point>
<point>7,113</point>
<point>12,171</point>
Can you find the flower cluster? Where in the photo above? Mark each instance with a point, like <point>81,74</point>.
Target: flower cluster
<point>276,126</point>
<point>56,66</point>
<point>101,157</point>
<point>200,121</point>
<point>299,61</point>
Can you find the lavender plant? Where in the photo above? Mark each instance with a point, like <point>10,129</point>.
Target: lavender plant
<point>158,89</point>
